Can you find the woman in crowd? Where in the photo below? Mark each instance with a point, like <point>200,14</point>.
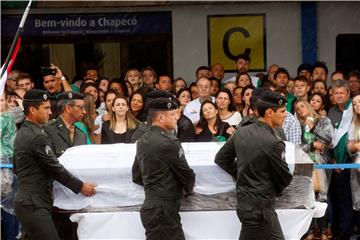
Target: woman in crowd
<point>317,102</point>
<point>245,98</point>
<point>148,76</point>
<point>194,90</point>
<point>87,125</point>
<point>215,86</point>
<point>185,131</point>
<point>319,86</point>
<point>9,223</point>
<point>224,103</point>
<point>122,124</point>
<point>243,79</point>
<point>178,84</point>
<point>120,86</point>
<point>109,98</point>
<point>354,149</point>
<point>237,99</point>
<point>133,77</point>
<point>317,135</point>
<point>210,127</point>
<point>184,97</point>
<point>104,84</point>
<point>91,89</point>
<point>137,103</point>
<point>231,86</point>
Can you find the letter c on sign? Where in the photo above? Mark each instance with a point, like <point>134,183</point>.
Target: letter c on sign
<point>226,41</point>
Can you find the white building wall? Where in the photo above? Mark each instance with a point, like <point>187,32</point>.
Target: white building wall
<point>283,35</point>
<point>335,18</point>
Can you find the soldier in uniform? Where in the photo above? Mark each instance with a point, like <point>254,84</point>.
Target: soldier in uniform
<point>260,169</point>
<point>64,134</point>
<point>160,166</point>
<point>36,167</point>
<point>61,130</point>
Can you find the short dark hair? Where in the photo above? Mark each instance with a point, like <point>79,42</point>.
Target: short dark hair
<point>262,106</point>
<point>355,73</point>
<point>28,104</point>
<point>202,68</point>
<point>281,70</point>
<point>231,106</point>
<point>318,81</point>
<point>243,56</point>
<point>302,79</point>
<point>319,64</point>
<point>183,90</point>
<point>23,76</point>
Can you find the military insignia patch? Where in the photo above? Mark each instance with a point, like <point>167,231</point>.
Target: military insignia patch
<point>181,152</point>
<point>47,149</point>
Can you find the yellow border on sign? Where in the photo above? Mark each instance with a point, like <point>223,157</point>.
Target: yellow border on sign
<point>231,35</point>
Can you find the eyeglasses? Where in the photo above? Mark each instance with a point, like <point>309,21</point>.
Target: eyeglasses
<point>82,107</point>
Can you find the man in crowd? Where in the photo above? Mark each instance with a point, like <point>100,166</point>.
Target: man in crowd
<point>320,71</point>
<point>337,75</point>
<point>11,82</point>
<point>160,166</point>
<point>242,66</point>
<point>339,189</point>
<point>25,81</point>
<point>354,81</point>
<point>260,168</point>
<point>55,84</point>
<point>36,167</point>
<point>203,71</point>
<point>217,71</point>
<point>64,134</point>
<point>305,70</point>
<point>92,73</point>
<point>164,82</point>
<point>192,109</point>
<point>301,88</point>
<point>61,130</point>
<point>271,72</point>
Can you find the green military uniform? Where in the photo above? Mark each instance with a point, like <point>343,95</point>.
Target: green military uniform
<point>36,167</point>
<point>60,136</point>
<point>262,174</point>
<point>160,166</point>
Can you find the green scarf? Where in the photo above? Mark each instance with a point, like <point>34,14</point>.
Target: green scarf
<point>340,150</point>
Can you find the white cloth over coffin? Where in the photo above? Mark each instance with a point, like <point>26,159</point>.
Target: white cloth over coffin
<point>196,225</point>
<point>109,166</point>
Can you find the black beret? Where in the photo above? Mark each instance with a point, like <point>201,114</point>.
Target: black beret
<point>70,96</point>
<point>36,95</point>
<point>162,104</point>
<point>272,99</point>
<point>256,94</point>
<point>305,66</point>
<point>159,94</point>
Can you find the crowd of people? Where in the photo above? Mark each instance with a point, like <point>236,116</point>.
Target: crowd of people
<point>323,121</point>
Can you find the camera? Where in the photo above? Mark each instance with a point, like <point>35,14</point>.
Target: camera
<point>48,71</point>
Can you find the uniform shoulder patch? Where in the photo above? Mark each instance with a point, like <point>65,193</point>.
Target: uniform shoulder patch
<point>47,149</point>
<point>181,152</point>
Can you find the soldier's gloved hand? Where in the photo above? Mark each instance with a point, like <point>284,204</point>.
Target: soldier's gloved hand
<point>88,189</point>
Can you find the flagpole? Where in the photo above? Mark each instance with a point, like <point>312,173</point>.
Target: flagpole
<point>17,34</point>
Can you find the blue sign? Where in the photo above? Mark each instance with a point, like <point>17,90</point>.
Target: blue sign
<point>88,24</point>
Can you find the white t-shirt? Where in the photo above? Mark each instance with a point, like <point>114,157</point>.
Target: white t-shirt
<point>234,119</point>
<point>99,122</point>
<point>192,110</point>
